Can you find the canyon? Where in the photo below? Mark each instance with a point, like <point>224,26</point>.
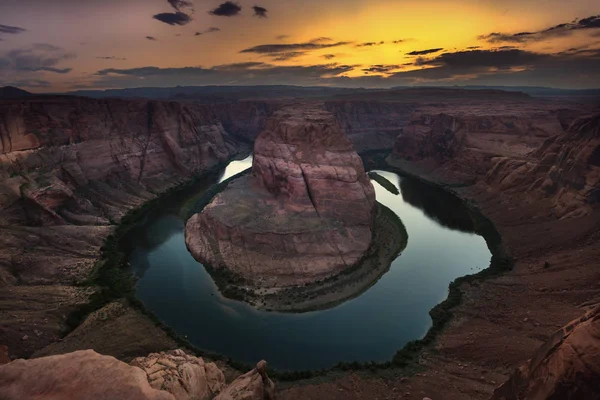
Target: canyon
<point>72,167</point>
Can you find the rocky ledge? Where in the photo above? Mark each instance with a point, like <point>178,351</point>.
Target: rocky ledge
<point>304,214</point>
<point>172,375</point>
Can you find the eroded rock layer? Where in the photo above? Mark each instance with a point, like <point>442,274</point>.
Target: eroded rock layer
<point>566,367</point>
<point>304,214</point>
<point>529,156</point>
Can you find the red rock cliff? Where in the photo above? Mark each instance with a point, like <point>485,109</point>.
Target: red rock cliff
<point>303,215</point>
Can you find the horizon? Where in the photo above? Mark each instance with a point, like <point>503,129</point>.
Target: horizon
<point>63,45</point>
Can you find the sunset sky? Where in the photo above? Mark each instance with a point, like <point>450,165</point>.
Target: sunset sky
<point>61,45</point>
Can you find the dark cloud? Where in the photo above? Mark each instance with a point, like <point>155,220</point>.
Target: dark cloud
<point>179,5</point>
<point>111,58</point>
<point>399,41</point>
<point>281,37</point>
<point>578,67</point>
<point>151,38</point>
<point>28,83</point>
<point>12,30</point>
<point>381,68</point>
<point>250,73</point>
<point>474,59</point>
<point>40,57</point>
<point>176,18</point>
<point>370,44</point>
<point>212,29</point>
<point>424,52</point>
<point>473,47</point>
<point>315,44</point>
<point>227,9</point>
<point>288,55</point>
<point>328,56</point>
<point>260,12</point>
<point>564,29</point>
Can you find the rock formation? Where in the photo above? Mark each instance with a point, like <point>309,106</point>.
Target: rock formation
<point>69,169</point>
<point>79,375</point>
<point>185,377</point>
<point>566,367</point>
<point>305,213</point>
<point>160,376</point>
<point>565,168</point>
<point>532,157</point>
<point>254,385</point>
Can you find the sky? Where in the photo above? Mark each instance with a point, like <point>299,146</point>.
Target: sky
<point>64,45</point>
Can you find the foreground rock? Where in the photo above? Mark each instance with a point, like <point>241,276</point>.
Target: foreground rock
<point>254,385</point>
<point>566,367</point>
<point>80,375</point>
<point>185,377</point>
<point>305,214</point>
<point>88,375</point>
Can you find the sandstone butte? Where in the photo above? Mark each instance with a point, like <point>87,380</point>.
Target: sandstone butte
<point>304,214</point>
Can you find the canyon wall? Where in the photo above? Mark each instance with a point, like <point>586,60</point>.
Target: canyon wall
<point>529,155</point>
<point>70,168</point>
<point>371,125</point>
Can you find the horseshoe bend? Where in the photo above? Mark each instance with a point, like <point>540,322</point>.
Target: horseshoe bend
<point>401,243</point>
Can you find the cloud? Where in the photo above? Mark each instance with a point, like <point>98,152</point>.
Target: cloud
<point>315,44</point>
<point>382,68</point>
<point>249,73</point>
<point>560,30</point>
<point>177,18</point>
<point>26,66</point>
<point>180,4</point>
<point>328,56</point>
<point>474,59</point>
<point>288,56</point>
<point>260,12</point>
<point>11,30</point>
<point>227,9</point>
<point>423,52</point>
<point>370,44</point>
<point>281,37</point>
<point>212,29</point>
<point>111,58</point>
<point>28,83</point>
<point>151,38</point>
<point>399,41</point>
